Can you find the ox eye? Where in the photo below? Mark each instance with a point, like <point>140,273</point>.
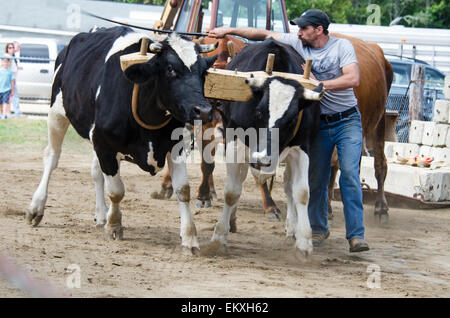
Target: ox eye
<point>171,71</point>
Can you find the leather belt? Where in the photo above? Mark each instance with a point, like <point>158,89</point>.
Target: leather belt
<point>338,116</point>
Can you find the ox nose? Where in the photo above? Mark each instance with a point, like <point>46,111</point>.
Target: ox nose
<point>203,113</point>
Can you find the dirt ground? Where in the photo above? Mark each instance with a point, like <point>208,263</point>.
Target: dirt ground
<point>410,255</point>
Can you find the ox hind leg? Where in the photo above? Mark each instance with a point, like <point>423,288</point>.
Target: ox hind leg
<point>236,174</point>
<point>331,184</point>
<point>206,187</point>
<point>296,187</point>
<point>269,206</point>
<point>376,143</point>
<point>166,187</point>
<point>57,123</point>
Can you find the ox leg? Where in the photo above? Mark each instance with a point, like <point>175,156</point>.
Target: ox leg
<point>270,208</point>
<point>212,188</point>
<point>334,170</point>
<point>236,174</point>
<point>166,188</point>
<point>101,209</point>
<point>57,124</point>
<point>204,195</point>
<point>207,140</point>
<point>115,191</point>
<point>380,166</point>
<point>178,172</point>
<point>297,190</point>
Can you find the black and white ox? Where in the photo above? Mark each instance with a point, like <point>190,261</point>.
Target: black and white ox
<point>91,92</point>
<point>275,107</point>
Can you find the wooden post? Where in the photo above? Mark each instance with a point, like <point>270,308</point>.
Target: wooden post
<point>416,92</point>
<point>307,70</point>
<point>144,46</point>
<point>269,64</point>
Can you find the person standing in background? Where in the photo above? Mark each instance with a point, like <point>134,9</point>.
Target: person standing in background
<point>6,86</point>
<point>15,98</point>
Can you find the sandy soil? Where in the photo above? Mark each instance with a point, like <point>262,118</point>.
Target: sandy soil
<point>411,251</point>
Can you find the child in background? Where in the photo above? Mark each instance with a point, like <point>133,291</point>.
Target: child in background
<point>6,87</point>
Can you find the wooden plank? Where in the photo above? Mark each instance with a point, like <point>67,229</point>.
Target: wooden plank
<point>227,85</point>
<point>134,58</point>
<point>230,85</point>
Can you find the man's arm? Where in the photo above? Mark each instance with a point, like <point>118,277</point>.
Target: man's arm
<point>248,33</point>
<point>349,79</point>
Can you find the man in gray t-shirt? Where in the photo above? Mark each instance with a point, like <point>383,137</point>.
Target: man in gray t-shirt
<point>336,67</point>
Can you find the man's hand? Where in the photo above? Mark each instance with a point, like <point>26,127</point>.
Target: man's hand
<point>218,33</point>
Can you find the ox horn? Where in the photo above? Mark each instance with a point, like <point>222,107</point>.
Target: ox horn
<point>206,48</point>
<point>312,95</point>
<point>155,47</point>
<point>255,82</point>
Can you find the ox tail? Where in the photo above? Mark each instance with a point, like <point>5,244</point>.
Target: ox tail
<point>389,75</point>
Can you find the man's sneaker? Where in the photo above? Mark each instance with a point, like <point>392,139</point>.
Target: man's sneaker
<point>318,238</point>
<point>358,245</point>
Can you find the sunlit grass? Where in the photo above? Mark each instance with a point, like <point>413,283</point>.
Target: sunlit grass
<point>32,134</point>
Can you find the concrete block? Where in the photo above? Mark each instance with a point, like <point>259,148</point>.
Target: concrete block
<point>398,149</point>
<point>425,151</point>
<point>410,150</point>
<point>447,87</point>
<point>430,184</point>
<point>440,135</point>
<point>447,140</point>
<point>427,135</point>
<point>440,154</point>
<point>416,131</point>
<point>433,185</point>
<point>445,192</point>
<point>441,111</point>
<point>389,150</point>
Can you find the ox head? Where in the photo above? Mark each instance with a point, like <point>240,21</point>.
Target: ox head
<point>278,114</point>
<point>177,73</point>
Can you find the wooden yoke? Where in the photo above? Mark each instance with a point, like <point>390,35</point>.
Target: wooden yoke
<point>231,85</point>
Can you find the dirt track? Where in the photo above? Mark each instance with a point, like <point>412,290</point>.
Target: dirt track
<point>412,250</point>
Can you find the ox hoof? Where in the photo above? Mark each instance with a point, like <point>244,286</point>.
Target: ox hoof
<point>290,240</point>
<point>190,251</point>
<point>303,247</point>
<point>302,255</point>
<point>203,203</point>
<point>164,194</point>
<point>99,222</point>
<point>114,233</point>
<point>33,218</point>
<point>382,217</point>
<point>274,214</point>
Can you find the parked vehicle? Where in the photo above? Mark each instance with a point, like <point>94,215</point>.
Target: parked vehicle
<point>36,66</point>
<point>398,99</point>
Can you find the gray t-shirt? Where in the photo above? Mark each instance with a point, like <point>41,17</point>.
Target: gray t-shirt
<point>327,63</point>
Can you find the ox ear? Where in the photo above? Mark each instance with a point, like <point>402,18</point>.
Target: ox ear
<point>141,73</point>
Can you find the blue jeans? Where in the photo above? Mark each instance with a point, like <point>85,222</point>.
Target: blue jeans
<point>346,135</point>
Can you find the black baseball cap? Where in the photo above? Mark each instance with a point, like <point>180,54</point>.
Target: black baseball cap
<point>312,16</point>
